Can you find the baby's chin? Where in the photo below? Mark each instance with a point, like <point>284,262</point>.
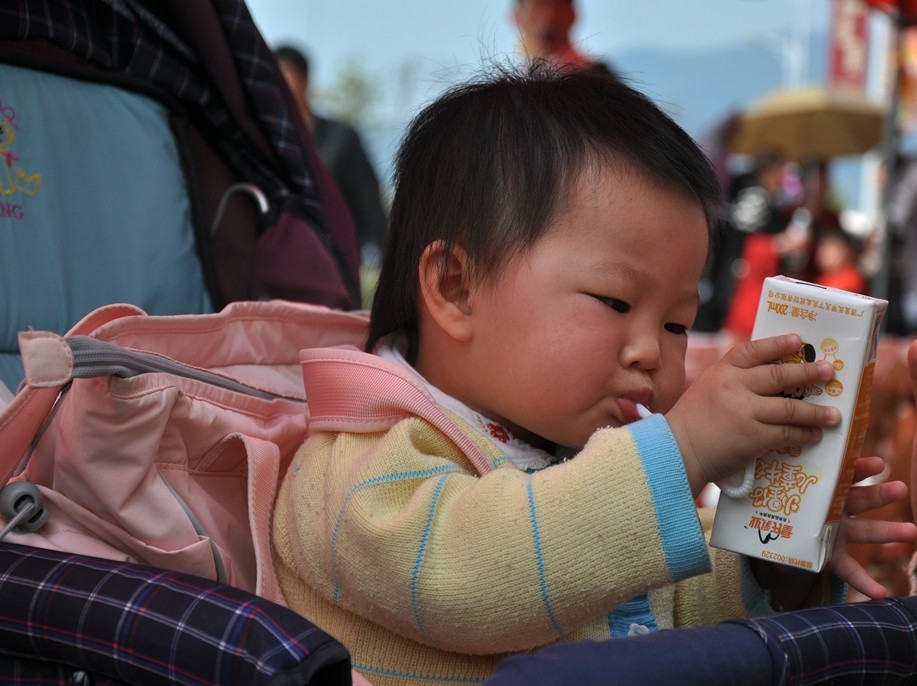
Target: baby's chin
<point>574,444</point>
<point>562,446</point>
<point>567,442</point>
<point>568,445</point>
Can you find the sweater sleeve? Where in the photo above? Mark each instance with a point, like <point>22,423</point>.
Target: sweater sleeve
<point>396,528</point>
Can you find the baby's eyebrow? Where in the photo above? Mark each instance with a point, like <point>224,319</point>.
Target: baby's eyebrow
<point>641,277</point>
<point>605,267</point>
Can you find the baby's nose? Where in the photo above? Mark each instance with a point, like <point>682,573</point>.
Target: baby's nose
<point>643,353</point>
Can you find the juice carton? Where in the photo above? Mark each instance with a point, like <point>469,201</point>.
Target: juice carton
<point>794,507</point>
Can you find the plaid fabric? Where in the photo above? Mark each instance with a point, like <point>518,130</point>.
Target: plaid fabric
<point>143,625</point>
<point>125,37</point>
<point>257,68</point>
<point>870,643</point>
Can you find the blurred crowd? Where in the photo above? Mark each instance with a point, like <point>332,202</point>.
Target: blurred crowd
<point>781,217</point>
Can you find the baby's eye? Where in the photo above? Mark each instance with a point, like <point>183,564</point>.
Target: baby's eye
<point>615,304</point>
<point>679,329</point>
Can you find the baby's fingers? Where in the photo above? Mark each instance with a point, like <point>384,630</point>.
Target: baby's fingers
<point>783,422</point>
<point>796,379</point>
<point>789,412</point>
<point>865,498</point>
<point>763,350</point>
<point>851,571</point>
<point>867,467</point>
<point>879,531</point>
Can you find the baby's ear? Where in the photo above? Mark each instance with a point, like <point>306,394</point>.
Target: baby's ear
<point>445,288</point>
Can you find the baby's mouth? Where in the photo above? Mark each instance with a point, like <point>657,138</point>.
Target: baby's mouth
<point>629,412</point>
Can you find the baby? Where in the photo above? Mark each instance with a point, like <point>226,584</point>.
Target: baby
<point>547,236</point>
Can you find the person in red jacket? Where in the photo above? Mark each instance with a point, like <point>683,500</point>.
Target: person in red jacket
<point>836,256</point>
<point>758,211</point>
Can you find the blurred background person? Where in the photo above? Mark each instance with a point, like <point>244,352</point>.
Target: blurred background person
<point>719,277</point>
<point>341,150</point>
<point>816,215</point>
<point>836,258</point>
<point>545,27</point>
<point>759,215</point>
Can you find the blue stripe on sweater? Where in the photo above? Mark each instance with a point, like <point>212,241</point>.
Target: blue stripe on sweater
<point>542,579</point>
<point>635,611</point>
<point>388,478</point>
<point>415,576</point>
<point>683,542</point>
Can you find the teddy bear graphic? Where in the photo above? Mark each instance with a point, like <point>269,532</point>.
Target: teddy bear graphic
<point>13,178</point>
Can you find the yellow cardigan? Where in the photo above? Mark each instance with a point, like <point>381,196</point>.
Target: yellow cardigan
<point>430,573</point>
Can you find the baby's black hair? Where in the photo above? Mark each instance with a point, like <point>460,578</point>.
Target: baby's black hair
<point>490,163</point>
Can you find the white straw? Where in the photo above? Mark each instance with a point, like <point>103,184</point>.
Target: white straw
<point>748,482</point>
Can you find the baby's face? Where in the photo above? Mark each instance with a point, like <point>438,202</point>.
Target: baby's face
<point>593,319</point>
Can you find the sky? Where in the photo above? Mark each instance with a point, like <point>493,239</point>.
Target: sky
<point>422,44</point>
<point>455,32</point>
<point>415,48</point>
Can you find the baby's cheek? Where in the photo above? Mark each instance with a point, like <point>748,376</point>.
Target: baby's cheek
<point>668,390</point>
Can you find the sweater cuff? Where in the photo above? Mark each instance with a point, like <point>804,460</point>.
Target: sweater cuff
<point>680,531</point>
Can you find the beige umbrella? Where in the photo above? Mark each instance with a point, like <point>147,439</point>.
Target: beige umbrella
<point>810,124</point>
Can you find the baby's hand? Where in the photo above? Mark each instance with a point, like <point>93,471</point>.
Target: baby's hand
<point>731,414</point>
<point>863,499</point>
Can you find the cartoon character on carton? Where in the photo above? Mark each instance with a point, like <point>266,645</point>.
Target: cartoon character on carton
<point>806,353</point>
